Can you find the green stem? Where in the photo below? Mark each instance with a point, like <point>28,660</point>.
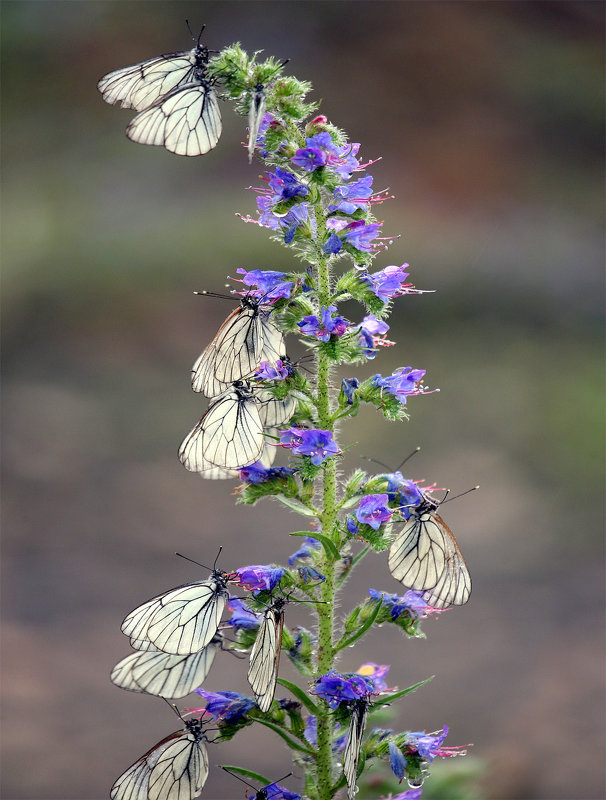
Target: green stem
<point>325,610</point>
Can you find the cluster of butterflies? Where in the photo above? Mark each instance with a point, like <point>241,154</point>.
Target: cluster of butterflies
<point>176,101</point>
<point>176,636</point>
<point>233,432</point>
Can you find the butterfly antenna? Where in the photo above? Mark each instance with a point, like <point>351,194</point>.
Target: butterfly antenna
<point>217,558</point>
<point>174,708</point>
<point>376,461</point>
<point>456,497</point>
<point>233,774</point>
<point>200,34</point>
<point>408,457</point>
<point>204,293</point>
<point>192,561</point>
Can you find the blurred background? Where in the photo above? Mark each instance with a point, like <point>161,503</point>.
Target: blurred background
<point>489,120</point>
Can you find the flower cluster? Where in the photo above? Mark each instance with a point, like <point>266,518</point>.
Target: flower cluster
<point>266,284</point>
<point>226,707</point>
<point>412,603</point>
<point>325,325</point>
<point>316,444</point>
<point>337,688</point>
<point>402,383</point>
<point>259,578</point>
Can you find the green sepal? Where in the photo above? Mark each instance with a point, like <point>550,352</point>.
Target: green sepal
<point>379,539</point>
<point>284,485</point>
<point>327,543</point>
<point>354,484</point>
<point>408,622</point>
<point>386,699</point>
<point>299,508</point>
<point>288,739</point>
<point>308,471</point>
<point>255,776</point>
<point>360,632</point>
<point>300,695</point>
<point>386,402</point>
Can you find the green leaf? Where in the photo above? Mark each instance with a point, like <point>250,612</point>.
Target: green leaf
<point>361,631</point>
<point>300,695</point>
<point>397,695</point>
<point>290,742</point>
<point>249,773</point>
<point>329,545</point>
<point>298,507</point>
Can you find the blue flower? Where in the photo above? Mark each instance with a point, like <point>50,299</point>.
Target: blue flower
<point>352,196</point>
<point>336,688</point>
<point>257,473</point>
<point>388,282</point>
<point>325,326</point>
<point>374,673</point>
<point>259,577</point>
<point>309,158</point>
<point>306,550</point>
<point>273,791</point>
<point>266,283</point>
<point>333,245</point>
<point>351,526</point>
<point>373,510</point>
<point>268,372</point>
<point>349,385</point>
<point>284,185</point>
<point>316,444</point>
<point>227,707</point>
<point>242,616</point>
<point>396,761</point>
<point>360,234</point>
<point>402,383</point>
<point>409,794</point>
<point>308,573</point>
<point>372,332</point>
<point>295,218</point>
<point>429,745</point>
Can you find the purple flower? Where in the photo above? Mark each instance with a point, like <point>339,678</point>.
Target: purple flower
<point>268,372</point>
<point>317,444</point>
<point>324,326</point>
<point>284,185</point>
<point>396,761</point>
<point>333,244</point>
<point>308,549</point>
<point>412,602</point>
<point>374,673</point>
<point>351,526</point>
<point>373,510</point>
<point>344,161</point>
<point>295,218</point>
<point>335,688</point>
<point>257,473</point>
<point>228,707</point>
<point>259,578</point>
<point>274,791</point>
<point>409,794</point>
<point>402,383</point>
<point>268,284</point>
<point>308,573</point>
<point>360,234</point>
<point>310,733</point>
<point>372,332</point>
<point>348,386</point>
<point>429,745</point>
<point>309,158</point>
<point>352,196</point>
<point>388,282</point>
<point>241,616</point>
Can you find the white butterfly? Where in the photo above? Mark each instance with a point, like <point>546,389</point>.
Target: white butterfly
<point>163,674</point>
<point>351,756</point>
<point>181,621</point>
<point>174,769</point>
<point>229,435</point>
<point>177,102</point>
<point>255,116</point>
<point>246,337</point>
<point>265,655</point>
<point>425,557</point>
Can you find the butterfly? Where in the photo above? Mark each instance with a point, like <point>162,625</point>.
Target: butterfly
<point>351,755</point>
<point>229,435</point>
<point>256,110</point>
<point>271,791</point>
<point>174,769</point>
<point>265,655</point>
<point>425,557</point>
<point>177,104</point>
<point>181,621</point>
<point>246,337</point>
<point>163,674</point>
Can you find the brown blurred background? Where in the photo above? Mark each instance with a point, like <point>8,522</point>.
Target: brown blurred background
<point>488,117</point>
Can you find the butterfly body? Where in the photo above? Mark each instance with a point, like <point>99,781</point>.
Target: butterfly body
<point>351,756</point>
<point>265,655</point>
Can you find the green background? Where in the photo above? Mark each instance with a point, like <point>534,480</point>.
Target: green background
<point>488,118</point>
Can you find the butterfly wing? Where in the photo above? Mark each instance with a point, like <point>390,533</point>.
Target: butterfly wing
<point>351,755</point>
<point>136,623</point>
<point>234,353</point>
<point>181,770</point>
<point>255,115</point>
<point>162,674</point>
<point>275,413</point>
<point>140,85</point>
<point>134,783</point>
<point>265,658</point>
<point>229,435</point>
<point>188,618</point>
<point>426,557</point>
<point>186,121</point>
<point>273,340</point>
